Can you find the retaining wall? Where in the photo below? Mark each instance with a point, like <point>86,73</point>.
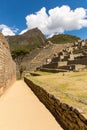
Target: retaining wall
<point>69,117</point>
<point>51,65</point>
<point>7,66</point>
<point>82,61</point>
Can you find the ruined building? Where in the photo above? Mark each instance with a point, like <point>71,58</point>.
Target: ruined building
<point>73,58</point>
<point>7,65</point>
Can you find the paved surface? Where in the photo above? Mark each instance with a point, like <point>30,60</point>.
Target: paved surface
<point>21,110</point>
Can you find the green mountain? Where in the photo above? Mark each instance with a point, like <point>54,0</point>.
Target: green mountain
<point>32,39</point>
<point>63,38</point>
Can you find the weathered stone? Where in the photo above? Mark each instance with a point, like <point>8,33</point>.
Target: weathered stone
<point>64,106</point>
<point>69,116</point>
<point>83,101</point>
<point>83,118</point>
<point>72,58</point>
<point>7,66</point>
<point>57,102</point>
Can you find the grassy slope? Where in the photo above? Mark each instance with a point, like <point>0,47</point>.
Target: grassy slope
<point>63,38</point>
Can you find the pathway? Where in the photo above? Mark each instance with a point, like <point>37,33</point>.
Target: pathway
<point>20,109</point>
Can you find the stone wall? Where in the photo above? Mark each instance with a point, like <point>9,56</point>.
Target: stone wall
<point>55,64</point>
<point>62,63</point>
<point>51,65</point>
<point>7,66</point>
<point>82,61</point>
<point>69,117</point>
<point>65,67</point>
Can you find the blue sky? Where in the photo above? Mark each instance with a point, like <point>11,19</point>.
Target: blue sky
<point>50,16</point>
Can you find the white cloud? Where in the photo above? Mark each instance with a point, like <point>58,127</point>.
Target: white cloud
<point>38,20</point>
<point>57,20</point>
<point>7,31</point>
<point>22,32</point>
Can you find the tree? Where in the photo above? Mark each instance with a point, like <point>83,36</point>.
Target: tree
<point>18,54</point>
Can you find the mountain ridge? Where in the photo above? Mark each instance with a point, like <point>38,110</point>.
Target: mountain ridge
<point>34,38</point>
<point>31,39</point>
<point>63,38</point>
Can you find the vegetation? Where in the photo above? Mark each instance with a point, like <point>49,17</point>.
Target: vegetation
<point>18,54</point>
<point>63,38</point>
<point>41,73</point>
<point>68,87</point>
<point>31,39</point>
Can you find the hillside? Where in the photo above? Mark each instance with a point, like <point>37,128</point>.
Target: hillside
<point>38,56</point>
<point>31,39</point>
<point>39,47</point>
<point>63,38</point>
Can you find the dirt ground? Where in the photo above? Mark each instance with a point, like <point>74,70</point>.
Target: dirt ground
<point>21,110</point>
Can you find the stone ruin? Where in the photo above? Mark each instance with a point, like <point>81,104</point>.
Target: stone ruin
<point>73,58</point>
<point>7,66</point>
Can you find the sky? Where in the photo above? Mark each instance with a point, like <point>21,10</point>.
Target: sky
<point>50,16</point>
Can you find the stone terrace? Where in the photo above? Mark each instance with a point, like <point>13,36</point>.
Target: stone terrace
<point>72,58</point>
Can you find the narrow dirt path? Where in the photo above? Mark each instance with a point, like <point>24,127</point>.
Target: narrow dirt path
<point>21,110</point>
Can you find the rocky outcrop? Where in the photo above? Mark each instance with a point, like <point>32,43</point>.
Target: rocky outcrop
<point>7,66</point>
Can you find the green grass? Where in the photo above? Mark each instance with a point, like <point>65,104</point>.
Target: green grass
<point>63,38</point>
<point>67,88</point>
<point>42,73</point>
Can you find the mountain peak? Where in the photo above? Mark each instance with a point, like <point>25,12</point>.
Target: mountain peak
<point>31,39</point>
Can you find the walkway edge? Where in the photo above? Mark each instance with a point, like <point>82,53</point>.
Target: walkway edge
<point>68,117</point>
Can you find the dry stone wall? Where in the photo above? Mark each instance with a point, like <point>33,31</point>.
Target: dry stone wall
<point>7,66</point>
<point>69,117</point>
<point>83,61</point>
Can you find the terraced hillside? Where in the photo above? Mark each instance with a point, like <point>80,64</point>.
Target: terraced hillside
<point>38,47</point>
<point>38,57</point>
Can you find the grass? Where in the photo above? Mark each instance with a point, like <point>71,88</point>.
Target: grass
<point>42,72</point>
<point>63,38</point>
<point>68,87</point>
